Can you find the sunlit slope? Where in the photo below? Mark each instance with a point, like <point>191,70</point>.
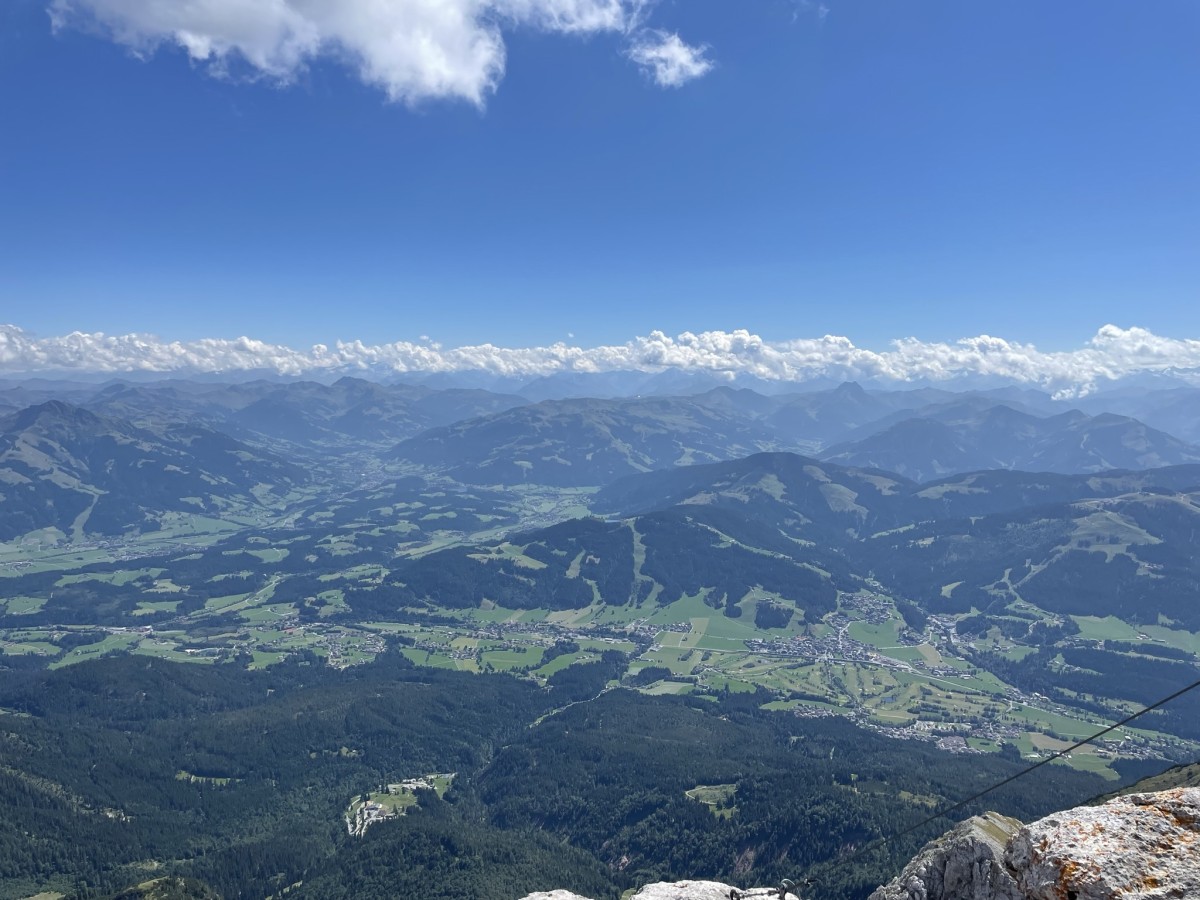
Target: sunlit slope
<point>799,496</point>
<point>641,563</point>
<point>807,497</point>
<point>1131,556</point>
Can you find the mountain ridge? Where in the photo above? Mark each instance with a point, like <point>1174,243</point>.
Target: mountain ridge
<point>64,467</point>
<point>964,437</point>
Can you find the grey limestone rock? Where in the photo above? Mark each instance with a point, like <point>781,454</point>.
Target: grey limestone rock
<point>680,890</point>
<point>967,863</point>
<point>1139,847</point>
<point>689,890</point>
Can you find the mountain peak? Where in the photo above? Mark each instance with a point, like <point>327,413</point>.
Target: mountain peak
<point>351,381</point>
<point>52,411</point>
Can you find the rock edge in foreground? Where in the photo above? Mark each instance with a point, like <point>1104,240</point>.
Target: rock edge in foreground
<point>1138,847</point>
<point>677,890</point>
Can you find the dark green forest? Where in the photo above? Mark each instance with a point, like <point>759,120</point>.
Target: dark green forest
<point>592,798</point>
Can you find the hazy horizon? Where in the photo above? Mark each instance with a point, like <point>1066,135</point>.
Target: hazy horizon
<point>1113,356</point>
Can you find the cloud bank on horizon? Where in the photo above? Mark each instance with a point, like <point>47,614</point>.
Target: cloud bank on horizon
<point>1112,354</point>
<point>413,50</point>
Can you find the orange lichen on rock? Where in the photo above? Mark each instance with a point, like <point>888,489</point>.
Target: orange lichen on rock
<point>1139,847</point>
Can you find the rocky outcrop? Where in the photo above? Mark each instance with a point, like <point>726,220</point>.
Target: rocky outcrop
<point>680,890</point>
<point>703,890</point>
<point>1138,847</point>
<point>1144,846</point>
<point>964,864</point>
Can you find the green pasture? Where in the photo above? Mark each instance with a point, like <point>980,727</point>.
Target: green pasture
<point>885,634</point>
<point>145,607</point>
<point>22,606</point>
<point>113,643</point>
<point>717,797</point>
<point>1110,628</point>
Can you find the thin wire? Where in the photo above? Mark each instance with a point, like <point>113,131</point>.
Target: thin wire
<point>880,842</point>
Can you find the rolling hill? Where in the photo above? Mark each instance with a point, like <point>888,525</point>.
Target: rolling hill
<point>974,435</point>
<point>811,498</point>
<point>647,561</point>
<point>347,415</point>
<point>65,468</point>
<point>585,442</point>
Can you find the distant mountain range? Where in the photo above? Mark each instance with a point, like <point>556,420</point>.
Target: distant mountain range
<point>1174,410</point>
<point>920,435</point>
<point>211,447</point>
<point>344,414</point>
<point>974,435</point>
<point>329,418</point>
<point>66,468</point>
<point>586,442</point>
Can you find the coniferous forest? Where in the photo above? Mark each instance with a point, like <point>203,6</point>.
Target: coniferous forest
<point>125,769</point>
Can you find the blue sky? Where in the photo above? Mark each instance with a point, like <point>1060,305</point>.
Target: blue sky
<point>869,168</point>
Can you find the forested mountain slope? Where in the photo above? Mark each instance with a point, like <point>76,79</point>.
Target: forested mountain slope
<point>65,468</point>
<point>970,436</point>
<point>585,442</point>
<point>241,780</point>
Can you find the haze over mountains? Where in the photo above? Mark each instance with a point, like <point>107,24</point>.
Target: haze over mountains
<point>963,437</point>
<point>591,442</point>
<point>65,468</point>
<point>587,442</point>
<point>237,437</point>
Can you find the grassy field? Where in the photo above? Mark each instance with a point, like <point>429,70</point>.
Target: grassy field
<point>21,606</point>
<point>717,797</point>
<point>1108,629</point>
<point>181,775</point>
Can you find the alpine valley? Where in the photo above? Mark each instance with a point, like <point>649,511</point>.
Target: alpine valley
<point>368,639</point>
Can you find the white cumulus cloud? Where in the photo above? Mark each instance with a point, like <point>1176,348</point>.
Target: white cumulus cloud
<point>667,59</point>
<point>1112,354</point>
<point>413,50</point>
